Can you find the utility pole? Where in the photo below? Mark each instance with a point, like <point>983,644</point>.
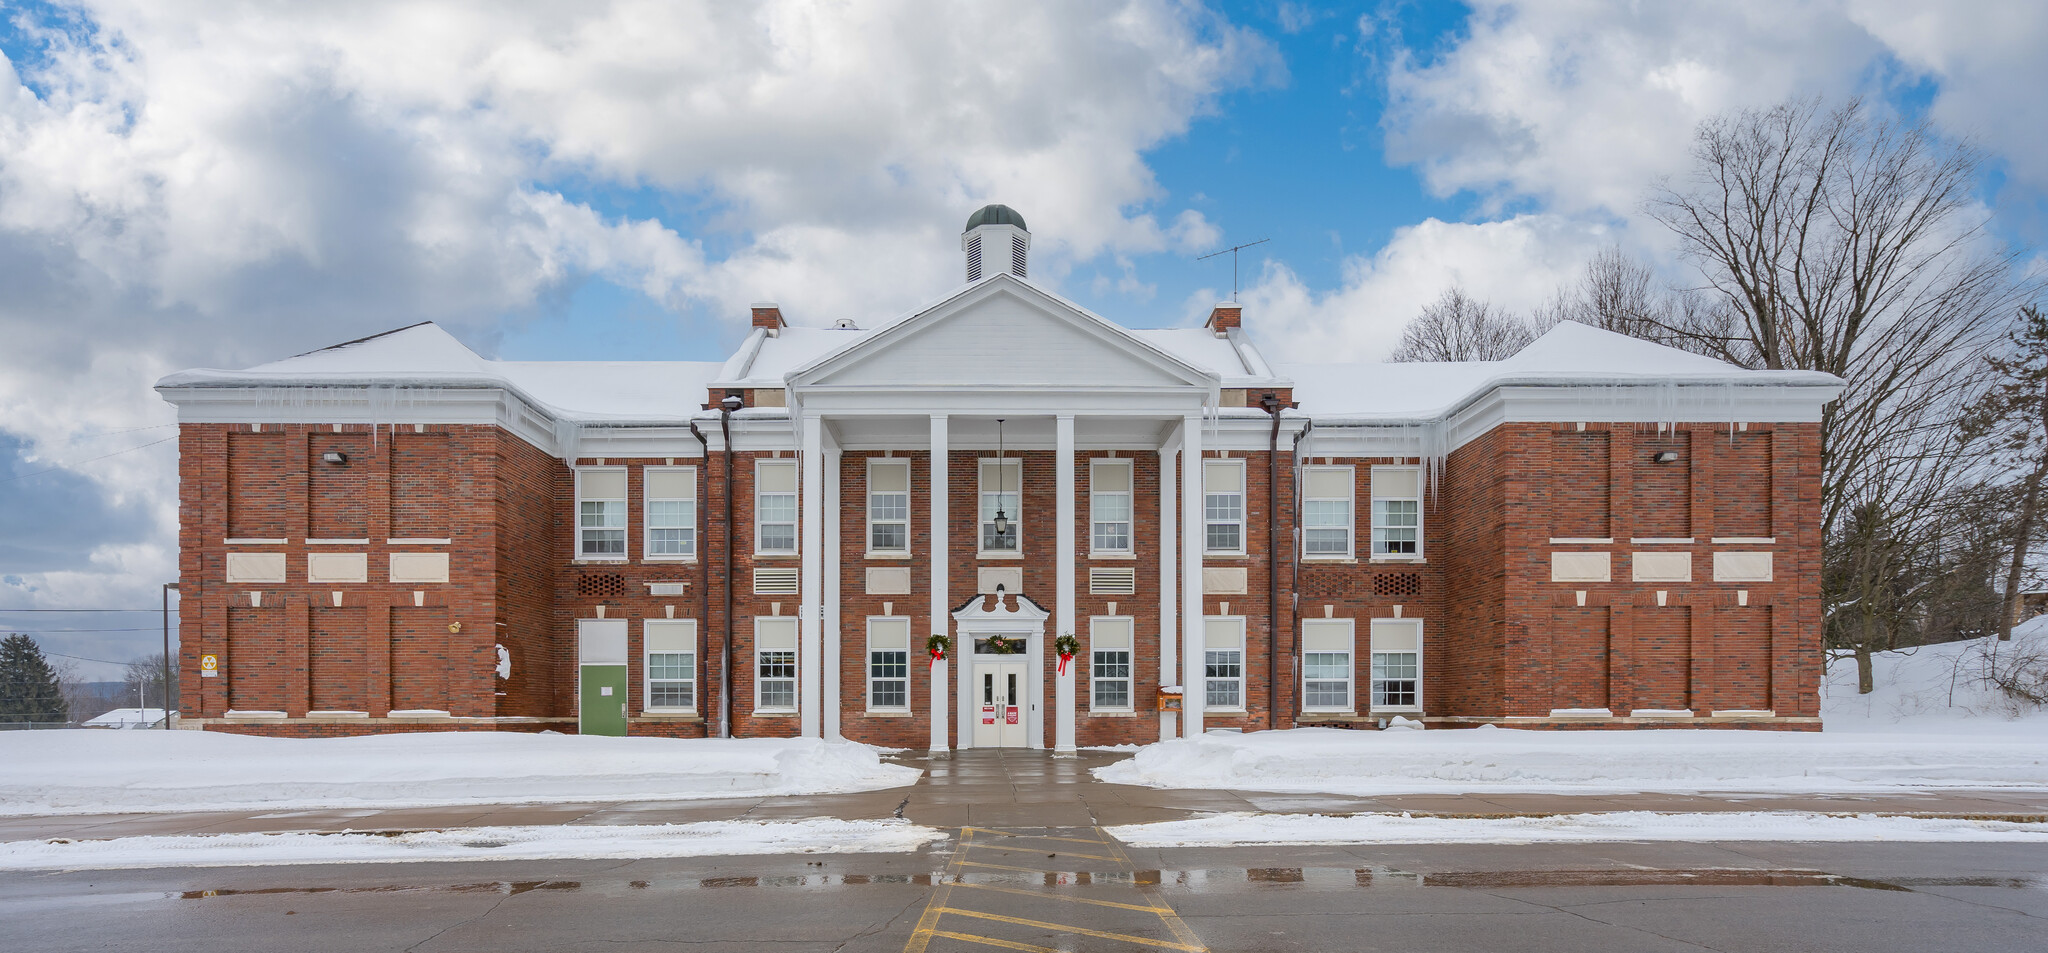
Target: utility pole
<point>1232,252</point>
<point>167,653</point>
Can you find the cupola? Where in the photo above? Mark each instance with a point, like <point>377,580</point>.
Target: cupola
<point>996,241</point>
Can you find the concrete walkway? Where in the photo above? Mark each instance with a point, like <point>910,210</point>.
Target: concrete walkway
<point>1006,789</point>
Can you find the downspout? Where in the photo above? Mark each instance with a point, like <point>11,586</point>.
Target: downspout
<point>1294,559</point>
<point>703,561</point>
<point>1273,405</point>
<point>725,409</point>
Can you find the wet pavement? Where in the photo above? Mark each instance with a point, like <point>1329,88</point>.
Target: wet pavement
<point>1000,789</point>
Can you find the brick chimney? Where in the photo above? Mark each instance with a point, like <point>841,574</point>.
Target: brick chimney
<point>768,314</point>
<point>1226,316</point>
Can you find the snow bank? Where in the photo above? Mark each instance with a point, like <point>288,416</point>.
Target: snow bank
<point>70,772</point>
<point>1223,830</point>
<point>1333,761</point>
<point>1936,688</point>
<point>813,836</point>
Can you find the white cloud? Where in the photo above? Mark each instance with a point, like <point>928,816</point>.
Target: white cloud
<point>184,183</point>
<point>1517,264</point>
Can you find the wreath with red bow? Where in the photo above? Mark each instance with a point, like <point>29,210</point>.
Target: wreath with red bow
<point>936,647</point>
<point>1066,646</point>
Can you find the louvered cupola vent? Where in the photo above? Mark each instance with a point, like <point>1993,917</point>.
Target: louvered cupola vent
<point>974,258</point>
<point>988,253</point>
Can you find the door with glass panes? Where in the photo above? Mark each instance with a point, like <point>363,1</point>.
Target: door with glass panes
<point>1000,707</point>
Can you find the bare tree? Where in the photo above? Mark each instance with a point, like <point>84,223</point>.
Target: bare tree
<point>2012,419</point>
<point>144,679</point>
<point>1829,240</point>
<point>1616,292</point>
<point>1458,327</point>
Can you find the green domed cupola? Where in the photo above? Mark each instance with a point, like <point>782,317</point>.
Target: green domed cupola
<point>996,242</point>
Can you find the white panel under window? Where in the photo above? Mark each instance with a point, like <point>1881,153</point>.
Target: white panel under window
<point>1581,567</point>
<point>256,567</point>
<point>1661,567</point>
<point>1010,578</point>
<point>889,581</point>
<point>1742,567</point>
<point>338,567</point>
<point>1226,580</point>
<point>419,567</point>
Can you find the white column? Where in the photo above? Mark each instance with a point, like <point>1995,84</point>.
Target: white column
<point>810,655</point>
<point>1169,583</point>
<point>1192,610</point>
<point>1063,582</point>
<point>832,632</point>
<point>942,620</point>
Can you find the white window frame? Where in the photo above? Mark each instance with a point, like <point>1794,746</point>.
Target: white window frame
<point>795,522</point>
<point>624,519</point>
<point>1011,483</point>
<point>1377,526</point>
<point>901,622</point>
<point>1321,637</point>
<point>1130,506</point>
<point>650,648</point>
<point>760,660</point>
<point>1129,636</point>
<point>1349,499</point>
<point>647,501</point>
<point>1416,626</point>
<point>1209,622</point>
<point>888,463</point>
<point>1208,502</point>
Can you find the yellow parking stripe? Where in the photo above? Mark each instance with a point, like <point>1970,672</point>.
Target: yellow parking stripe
<point>992,941</point>
<point>1067,897</point>
<point>1026,870</point>
<point>1150,892</point>
<point>1076,840</point>
<point>1062,854</point>
<point>1068,928</point>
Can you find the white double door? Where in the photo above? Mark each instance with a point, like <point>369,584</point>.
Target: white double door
<point>1001,710</point>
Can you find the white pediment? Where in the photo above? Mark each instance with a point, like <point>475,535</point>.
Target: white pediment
<point>1003,333</point>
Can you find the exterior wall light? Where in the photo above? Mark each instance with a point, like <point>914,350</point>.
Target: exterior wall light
<point>1002,521</point>
<point>1666,456</point>
<point>335,457</point>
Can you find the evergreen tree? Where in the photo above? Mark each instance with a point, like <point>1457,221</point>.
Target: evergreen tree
<point>28,685</point>
<point>2014,416</point>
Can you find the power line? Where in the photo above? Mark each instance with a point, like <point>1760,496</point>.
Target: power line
<point>67,466</point>
<point>153,628</point>
<point>12,611</point>
<point>81,658</point>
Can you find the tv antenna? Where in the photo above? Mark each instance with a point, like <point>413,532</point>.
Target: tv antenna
<point>1232,252</point>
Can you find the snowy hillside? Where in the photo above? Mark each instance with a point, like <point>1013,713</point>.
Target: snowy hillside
<point>1937,688</point>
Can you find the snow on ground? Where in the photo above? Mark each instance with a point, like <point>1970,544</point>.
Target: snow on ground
<point>73,772</point>
<point>812,836</point>
<point>1222,830</point>
<point>1937,688</point>
<point>1931,725</point>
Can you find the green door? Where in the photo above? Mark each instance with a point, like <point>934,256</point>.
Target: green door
<point>603,711</point>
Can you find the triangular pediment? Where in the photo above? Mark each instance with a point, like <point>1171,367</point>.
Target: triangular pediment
<point>1003,332</point>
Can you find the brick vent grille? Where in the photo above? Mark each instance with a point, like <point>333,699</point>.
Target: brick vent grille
<point>775,582</point>
<point>601,584</point>
<point>1113,582</point>
<point>1397,584</point>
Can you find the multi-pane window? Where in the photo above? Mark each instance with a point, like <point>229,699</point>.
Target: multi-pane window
<point>1396,511</point>
<point>1109,671</point>
<point>1326,512</point>
<point>671,664</point>
<point>1109,505</point>
<point>1223,505</point>
<point>1223,662</point>
<point>671,512</point>
<point>1326,664</point>
<point>889,506</point>
<point>1001,486</point>
<point>601,513</point>
<point>775,664</point>
<point>1396,663</point>
<point>775,506</point>
<point>888,663</point>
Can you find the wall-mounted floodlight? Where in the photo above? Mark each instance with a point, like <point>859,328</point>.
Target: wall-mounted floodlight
<point>1666,456</point>
<point>335,457</point>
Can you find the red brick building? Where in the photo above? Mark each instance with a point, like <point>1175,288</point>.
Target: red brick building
<point>396,534</point>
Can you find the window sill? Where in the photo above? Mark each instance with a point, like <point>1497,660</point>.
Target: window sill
<point>1125,556</point>
<point>887,713</point>
<point>1415,560</point>
<point>1209,555</point>
<point>599,561</point>
<point>1332,560</point>
<point>685,560</point>
<point>663,714</point>
<point>776,555</point>
<point>1329,713</point>
<point>888,555</point>
<point>1125,713</point>
<point>1223,711</point>
<point>1008,554</point>
<point>1405,710</point>
<point>775,713</point>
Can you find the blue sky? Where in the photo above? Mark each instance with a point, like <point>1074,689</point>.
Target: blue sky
<point>190,184</point>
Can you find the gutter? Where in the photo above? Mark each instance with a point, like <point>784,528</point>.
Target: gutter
<point>704,562</point>
<point>725,556</point>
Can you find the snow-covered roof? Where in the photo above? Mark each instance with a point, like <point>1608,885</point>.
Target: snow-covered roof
<point>424,355</point>
<point>1568,354</point>
<point>127,718</point>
